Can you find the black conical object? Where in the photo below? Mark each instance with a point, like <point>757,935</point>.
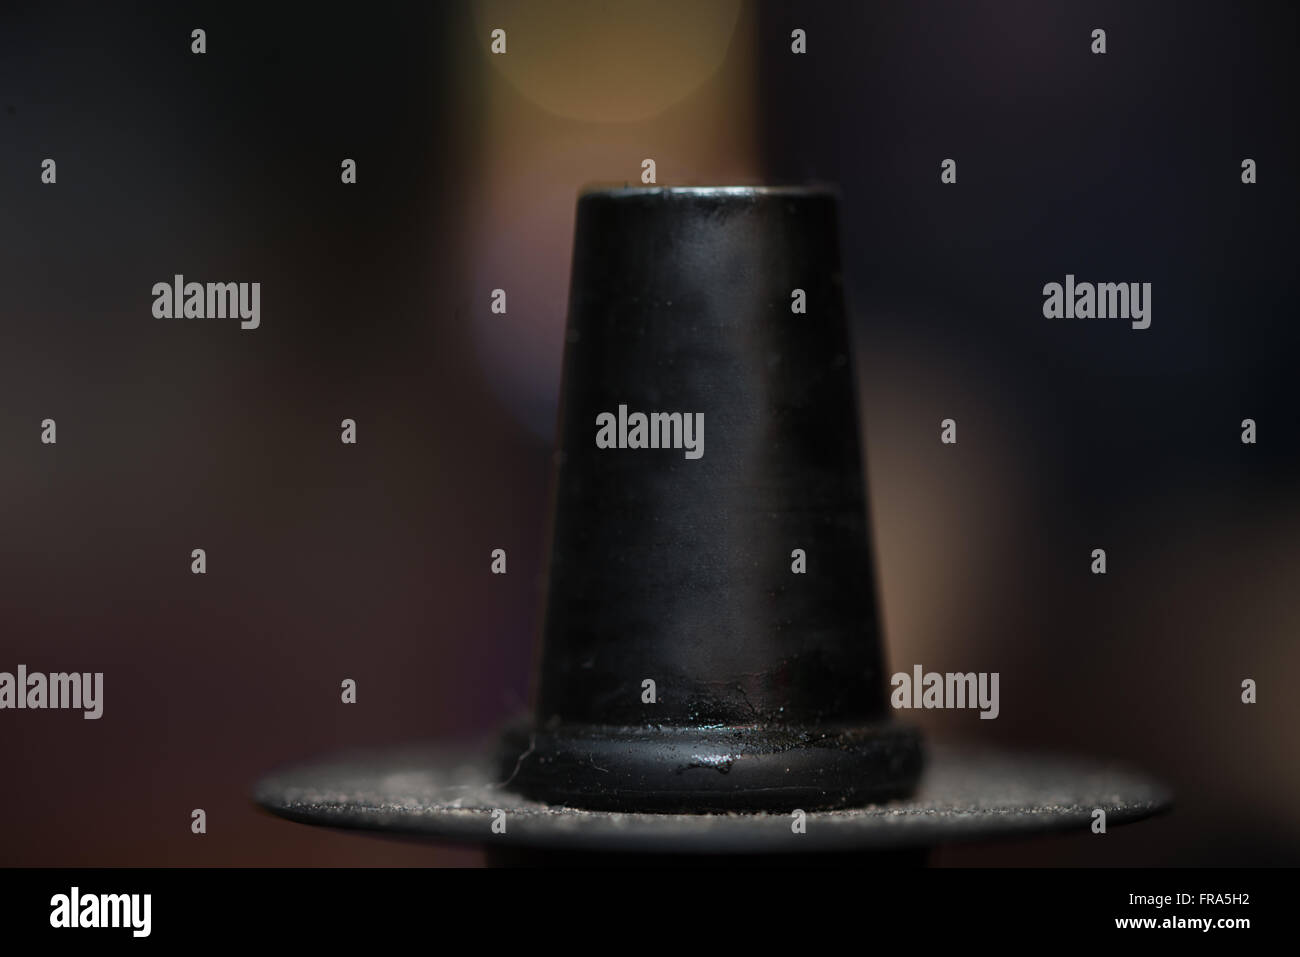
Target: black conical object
<point>736,575</point>
<point>711,636</point>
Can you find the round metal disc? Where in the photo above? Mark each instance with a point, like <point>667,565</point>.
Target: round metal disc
<point>963,795</point>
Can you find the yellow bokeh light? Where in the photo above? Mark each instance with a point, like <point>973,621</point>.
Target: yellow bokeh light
<point>602,61</point>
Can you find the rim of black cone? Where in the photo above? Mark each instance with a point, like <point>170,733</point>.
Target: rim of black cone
<point>663,769</point>
<point>598,189</point>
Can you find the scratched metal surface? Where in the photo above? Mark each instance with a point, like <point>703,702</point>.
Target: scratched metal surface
<point>963,795</point>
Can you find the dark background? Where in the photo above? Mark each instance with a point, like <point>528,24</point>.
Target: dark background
<point>371,561</point>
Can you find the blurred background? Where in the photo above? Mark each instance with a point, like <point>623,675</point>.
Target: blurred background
<point>371,561</point>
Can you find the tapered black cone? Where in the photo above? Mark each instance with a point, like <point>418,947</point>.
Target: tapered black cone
<point>711,633</point>
<point>710,636</point>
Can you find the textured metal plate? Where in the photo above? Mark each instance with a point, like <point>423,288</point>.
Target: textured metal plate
<point>963,795</point>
